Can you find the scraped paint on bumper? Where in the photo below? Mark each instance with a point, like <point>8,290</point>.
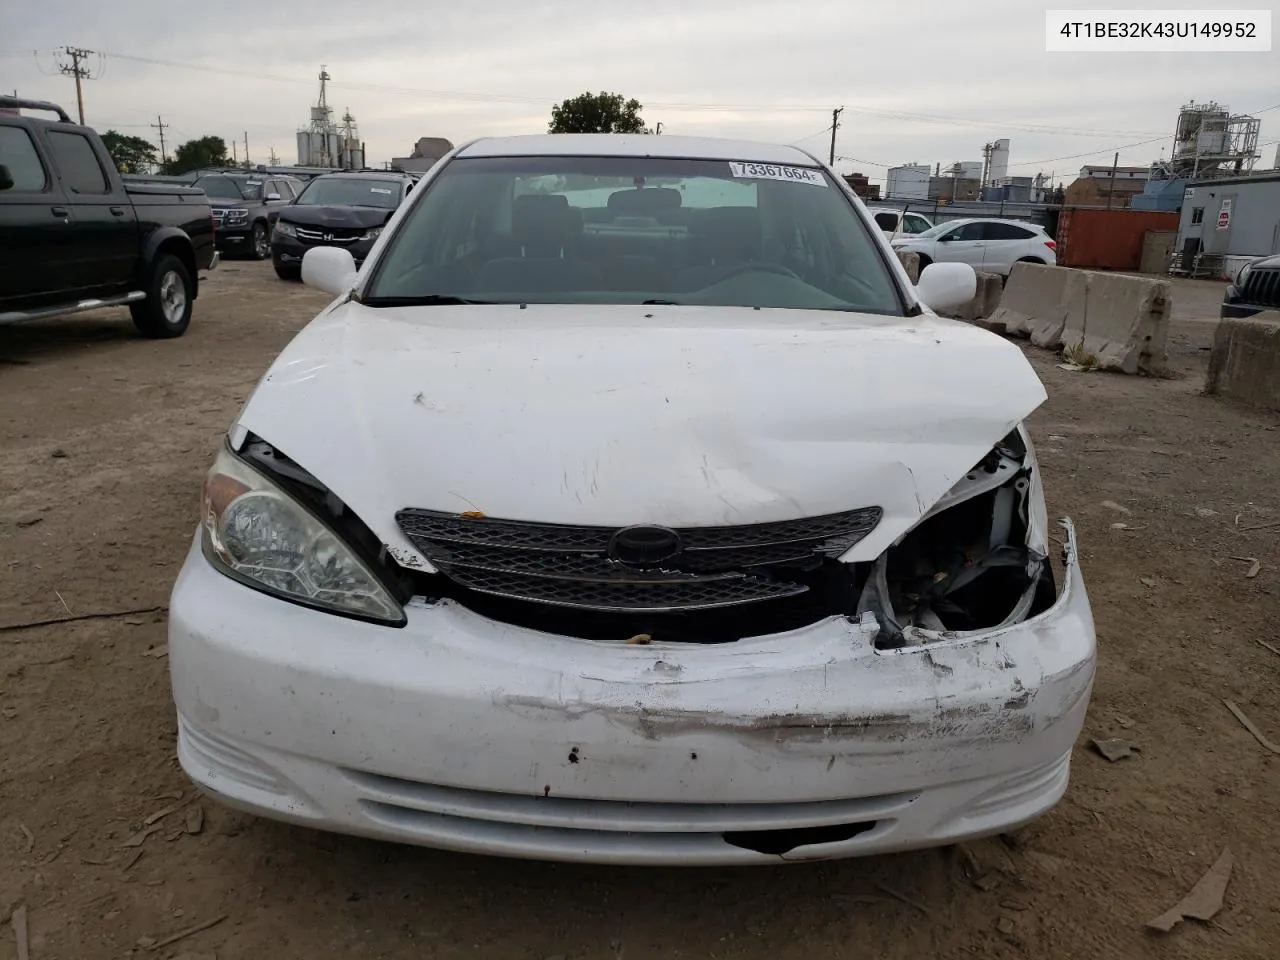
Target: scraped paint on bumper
<point>462,733</point>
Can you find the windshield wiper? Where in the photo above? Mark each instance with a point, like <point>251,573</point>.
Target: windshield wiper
<point>425,300</point>
<point>660,303</point>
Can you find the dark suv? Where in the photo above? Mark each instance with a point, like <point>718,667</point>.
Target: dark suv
<point>244,206</point>
<point>345,210</point>
<point>1257,288</point>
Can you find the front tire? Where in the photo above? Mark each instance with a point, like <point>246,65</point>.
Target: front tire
<point>925,260</point>
<point>260,242</point>
<point>166,313</point>
<point>287,273</point>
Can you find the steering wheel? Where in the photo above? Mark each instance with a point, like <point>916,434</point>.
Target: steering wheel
<point>757,267</point>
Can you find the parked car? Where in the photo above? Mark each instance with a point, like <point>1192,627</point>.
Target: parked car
<point>244,206</point>
<point>897,223</point>
<point>336,209</point>
<point>1256,288</point>
<point>74,237</point>
<point>992,246</point>
<point>665,526</point>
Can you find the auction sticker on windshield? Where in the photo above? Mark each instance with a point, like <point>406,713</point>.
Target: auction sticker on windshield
<point>769,171</point>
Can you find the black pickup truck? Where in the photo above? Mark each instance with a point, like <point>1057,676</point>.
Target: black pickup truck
<point>74,237</point>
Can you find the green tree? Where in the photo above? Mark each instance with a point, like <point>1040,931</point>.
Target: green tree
<point>198,154</point>
<point>131,154</point>
<point>597,113</point>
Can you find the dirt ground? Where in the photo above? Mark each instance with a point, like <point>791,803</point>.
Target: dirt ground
<point>104,439</point>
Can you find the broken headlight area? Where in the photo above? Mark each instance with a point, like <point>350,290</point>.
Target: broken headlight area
<point>967,565</point>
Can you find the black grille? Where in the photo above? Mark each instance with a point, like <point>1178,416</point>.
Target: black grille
<point>1262,287</point>
<point>570,566</point>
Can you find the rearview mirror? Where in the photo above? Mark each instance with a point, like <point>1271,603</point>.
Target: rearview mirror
<point>942,286</point>
<point>6,178</point>
<point>331,269</point>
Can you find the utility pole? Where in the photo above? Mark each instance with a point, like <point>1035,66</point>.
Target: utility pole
<point>235,160</point>
<point>835,125</point>
<point>246,149</point>
<point>1111,195</point>
<point>74,69</point>
<point>160,125</point>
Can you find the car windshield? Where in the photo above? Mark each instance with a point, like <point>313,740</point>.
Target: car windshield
<point>634,230</point>
<point>351,192</point>
<point>934,231</point>
<point>230,188</point>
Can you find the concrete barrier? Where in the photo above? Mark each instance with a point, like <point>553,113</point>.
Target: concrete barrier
<point>1121,321</point>
<point>1244,364</point>
<point>911,263</point>
<point>1124,323</point>
<point>986,299</point>
<point>1036,303</point>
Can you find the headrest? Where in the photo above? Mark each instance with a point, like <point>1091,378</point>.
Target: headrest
<point>645,202</point>
<point>544,219</point>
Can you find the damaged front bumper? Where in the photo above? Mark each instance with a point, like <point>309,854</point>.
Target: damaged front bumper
<point>467,734</point>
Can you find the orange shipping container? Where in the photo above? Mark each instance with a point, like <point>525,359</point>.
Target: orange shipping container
<point>1107,239</point>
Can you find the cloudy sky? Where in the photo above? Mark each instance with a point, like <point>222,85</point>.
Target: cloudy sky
<point>925,82</point>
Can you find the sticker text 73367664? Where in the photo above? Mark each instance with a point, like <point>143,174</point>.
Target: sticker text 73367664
<point>773,171</point>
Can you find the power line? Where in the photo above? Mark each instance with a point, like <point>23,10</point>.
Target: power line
<point>1024,126</point>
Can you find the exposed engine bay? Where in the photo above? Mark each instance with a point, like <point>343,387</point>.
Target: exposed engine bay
<point>968,565</point>
<point>975,562</point>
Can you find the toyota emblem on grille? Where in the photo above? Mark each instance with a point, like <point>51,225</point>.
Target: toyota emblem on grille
<point>644,546</point>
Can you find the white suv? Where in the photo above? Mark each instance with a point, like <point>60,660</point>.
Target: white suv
<point>993,246</point>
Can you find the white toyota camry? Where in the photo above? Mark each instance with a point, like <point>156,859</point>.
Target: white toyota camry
<point>631,505</point>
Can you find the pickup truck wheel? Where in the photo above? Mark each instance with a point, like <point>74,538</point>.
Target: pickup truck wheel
<point>166,312</point>
<point>261,248</point>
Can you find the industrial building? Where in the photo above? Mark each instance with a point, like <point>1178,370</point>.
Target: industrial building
<point>1107,186</point>
<point>1209,142</point>
<point>424,155</point>
<point>323,143</point>
<point>1228,219</point>
<point>908,182</point>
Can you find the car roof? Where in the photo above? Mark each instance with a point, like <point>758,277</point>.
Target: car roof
<point>390,175</point>
<point>1031,224</point>
<point>635,145</point>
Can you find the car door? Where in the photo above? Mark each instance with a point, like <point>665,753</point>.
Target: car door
<point>34,223</point>
<point>103,242</point>
<point>962,244</point>
<point>1004,244</point>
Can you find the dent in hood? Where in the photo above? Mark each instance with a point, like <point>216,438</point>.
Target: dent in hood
<point>617,415</point>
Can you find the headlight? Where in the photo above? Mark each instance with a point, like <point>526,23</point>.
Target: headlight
<point>285,229</point>
<point>256,533</point>
<point>1243,275</point>
<point>237,216</point>
<point>372,232</point>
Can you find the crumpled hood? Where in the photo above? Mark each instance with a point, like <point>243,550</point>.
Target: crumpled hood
<point>617,415</point>
<point>335,215</point>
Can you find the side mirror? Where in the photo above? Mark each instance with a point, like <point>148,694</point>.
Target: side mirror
<point>946,238</point>
<point>6,178</point>
<point>272,196</point>
<point>332,270</point>
<point>942,286</point>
